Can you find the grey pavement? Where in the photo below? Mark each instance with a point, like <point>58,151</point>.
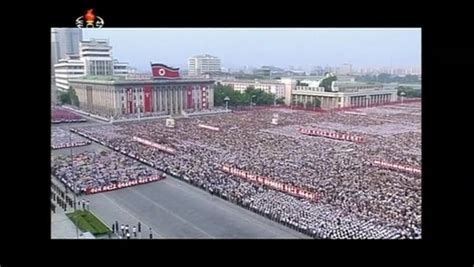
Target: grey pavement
<point>62,227</point>
<point>175,209</point>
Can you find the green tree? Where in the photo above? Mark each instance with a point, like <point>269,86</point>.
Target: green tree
<point>69,97</point>
<point>64,98</point>
<point>74,100</point>
<point>409,91</point>
<point>242,99</point>
<point>280,100</point>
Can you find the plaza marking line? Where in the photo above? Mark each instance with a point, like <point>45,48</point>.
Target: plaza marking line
<point>234,206</point>
<point>120,207</point>
<point>172,213</point>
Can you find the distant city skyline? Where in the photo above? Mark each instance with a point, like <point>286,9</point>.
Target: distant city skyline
<point>299,47</point>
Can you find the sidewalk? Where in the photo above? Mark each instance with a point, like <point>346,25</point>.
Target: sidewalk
<point>62,227</point>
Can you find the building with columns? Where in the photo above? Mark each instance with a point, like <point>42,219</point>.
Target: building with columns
<point>343,94</point>
<point>165,92</point>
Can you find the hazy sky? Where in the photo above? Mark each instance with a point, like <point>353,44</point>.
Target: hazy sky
<point>255,47</point>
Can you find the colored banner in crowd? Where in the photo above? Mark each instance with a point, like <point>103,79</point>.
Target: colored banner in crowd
<point>155,145</point>
<point>287,188</point>
<point>68,120</point>
<point>208,127</point>
<point>67,145</point>
<point>332,135</point>
<point>355,113</point>
<point>120,185</point>
<point>397,167</point>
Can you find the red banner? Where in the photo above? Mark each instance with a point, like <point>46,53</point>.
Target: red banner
<point>287,188</point>
<point>147,98</point>
<point>155,145</point>
<point>332,135</point>
<point>121,185</point>
<point>190,97</point>
<point>397,167</point>
<point>67,145</point>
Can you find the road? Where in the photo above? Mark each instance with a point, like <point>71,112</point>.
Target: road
<point>175,209</point>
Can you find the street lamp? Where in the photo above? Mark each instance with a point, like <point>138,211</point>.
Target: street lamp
<point>226,99</point>
<point>402,94</point>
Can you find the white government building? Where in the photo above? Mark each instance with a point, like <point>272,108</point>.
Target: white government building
<point>94,59</point>
<point>344,93</point>
<point>201,64</point>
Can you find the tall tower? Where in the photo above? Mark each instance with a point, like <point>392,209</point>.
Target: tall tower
<point>64,41</point>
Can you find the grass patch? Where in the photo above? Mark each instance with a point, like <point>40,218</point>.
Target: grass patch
<point>87,222</point>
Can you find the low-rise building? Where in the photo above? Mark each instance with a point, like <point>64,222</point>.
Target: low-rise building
<point>275,87</point>
<point>343,94</point>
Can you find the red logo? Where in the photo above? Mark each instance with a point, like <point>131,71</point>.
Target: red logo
<point>89,20</point>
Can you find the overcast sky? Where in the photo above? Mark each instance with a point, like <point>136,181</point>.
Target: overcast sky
<point>303,47</point>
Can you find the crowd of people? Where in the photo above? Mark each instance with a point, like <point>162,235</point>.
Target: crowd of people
<point>61,138</point>
<point>93,169</point>
<point>357,199</point>
<point>62,115</point>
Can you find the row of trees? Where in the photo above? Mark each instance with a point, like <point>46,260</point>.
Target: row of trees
<point>409,91</point>
<point>243,99</point>
<point>388,78</point>
<point>69,97</point>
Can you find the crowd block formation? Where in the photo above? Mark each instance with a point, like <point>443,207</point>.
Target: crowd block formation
<point>355,198</point>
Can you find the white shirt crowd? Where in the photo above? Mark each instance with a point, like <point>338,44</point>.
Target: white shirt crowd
<point>356,199</point>
<point>99,168</point>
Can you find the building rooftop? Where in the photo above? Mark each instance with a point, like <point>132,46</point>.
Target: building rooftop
<point>254,81</point>
<point>118,80</point>
<point>342,84</point>
<point>204,56</point>
<point>94,40</point>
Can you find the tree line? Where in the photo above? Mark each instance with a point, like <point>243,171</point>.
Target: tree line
<point>388,78</point>
<point>69,97</point>
<point>409,91</point>
<point>250,95</point>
